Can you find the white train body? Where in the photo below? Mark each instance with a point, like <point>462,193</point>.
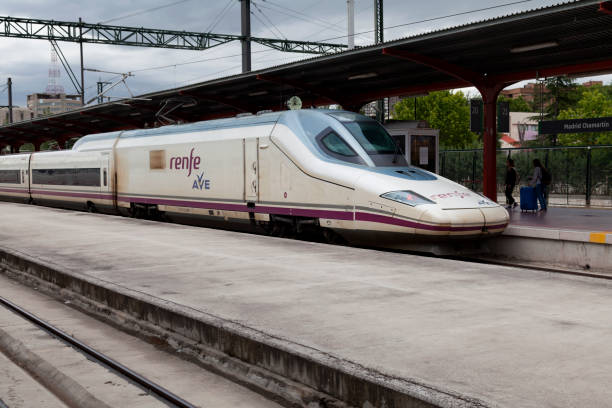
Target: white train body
<point>331,169</point>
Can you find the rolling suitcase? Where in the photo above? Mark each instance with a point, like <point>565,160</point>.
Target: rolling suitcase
<point>529,201</point>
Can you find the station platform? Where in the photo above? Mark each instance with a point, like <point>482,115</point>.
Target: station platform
<point>563,237</point>
<point>367,327</point>
<point>578,224</point>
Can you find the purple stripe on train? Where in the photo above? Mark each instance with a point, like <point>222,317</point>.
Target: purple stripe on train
<point>302,212</point>
<point>299,212</point>
<point>15,190</point>
<point>99,196</point>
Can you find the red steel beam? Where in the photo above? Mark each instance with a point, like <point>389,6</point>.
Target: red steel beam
<point>78,127</point>
<point>112,119</point>
<point>585,68</point>
<point>64,128</point>
<point>605,7</point>
<point>437,64</point>
<point>219,99</point>
<point>323,93</point>
<point>411,90</point>
<point>47,136</point>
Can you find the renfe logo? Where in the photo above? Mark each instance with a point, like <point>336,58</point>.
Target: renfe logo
<point>186,163</point>
<point>449,195</point>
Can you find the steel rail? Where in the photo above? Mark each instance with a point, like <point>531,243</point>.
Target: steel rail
<point>561,271</point>
<point>484,260</point>
<point>153,388</point>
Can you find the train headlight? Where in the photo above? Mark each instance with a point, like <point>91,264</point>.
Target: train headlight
<point>407,197</point>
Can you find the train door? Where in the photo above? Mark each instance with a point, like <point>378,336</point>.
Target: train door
<point>251,169</point>
<point>105,173</point>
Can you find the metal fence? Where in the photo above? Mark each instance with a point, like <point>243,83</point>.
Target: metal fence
<point>581,176</point>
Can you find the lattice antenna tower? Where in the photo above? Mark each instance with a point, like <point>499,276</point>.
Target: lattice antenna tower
<point>53,86</point>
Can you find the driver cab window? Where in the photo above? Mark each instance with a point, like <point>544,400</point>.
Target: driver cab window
<point>335,146</point>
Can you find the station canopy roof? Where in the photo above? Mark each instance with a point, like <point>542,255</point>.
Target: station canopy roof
<point>573,38</point>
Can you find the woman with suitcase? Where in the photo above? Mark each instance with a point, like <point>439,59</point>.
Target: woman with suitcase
<point>537,181</point>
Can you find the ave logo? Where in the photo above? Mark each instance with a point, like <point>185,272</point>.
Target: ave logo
<point>200,183</point>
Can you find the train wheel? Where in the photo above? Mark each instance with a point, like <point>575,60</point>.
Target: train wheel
<point>91,207</point>
<point>133,211</point>
<point>332,237</point>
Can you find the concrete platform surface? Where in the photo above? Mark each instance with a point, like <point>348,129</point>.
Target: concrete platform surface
<point>582,219</point>
<point>511,337</point>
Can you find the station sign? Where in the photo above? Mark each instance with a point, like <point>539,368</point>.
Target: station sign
<point>476,115</point>
<point>551,127</point>
<point>503,117</point>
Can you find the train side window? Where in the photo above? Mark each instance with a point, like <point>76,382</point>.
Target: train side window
<point>157,159</point>
<point>9,176</point>
<point>67,177</point>
<point>104,178</point>
<point>335,146</point>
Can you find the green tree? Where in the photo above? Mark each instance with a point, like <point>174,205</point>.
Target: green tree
<point>561,93</point>
<point>26,147</point>
<point>443,110</point>
<point>593,103</point>
<point>516,104</point>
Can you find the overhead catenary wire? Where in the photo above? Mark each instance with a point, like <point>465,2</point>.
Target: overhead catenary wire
<point>140,12</point>
<point>269,21</point>
<point>300,17</point>
<point>313,19</point>
<point>264,24</point>
<point>309,19</point>
<point>336,23</point>
<point>228,6</point>
<point>436,18</point>
<point>319,22</point>
<point>197,61</point>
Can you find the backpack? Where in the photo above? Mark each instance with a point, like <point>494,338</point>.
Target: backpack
<point>546,176</point>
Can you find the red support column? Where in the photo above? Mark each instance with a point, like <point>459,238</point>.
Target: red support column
<point>489,93</point>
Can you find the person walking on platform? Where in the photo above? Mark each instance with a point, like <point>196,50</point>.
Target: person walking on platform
<point>538,183</point>
<point>511,179</point>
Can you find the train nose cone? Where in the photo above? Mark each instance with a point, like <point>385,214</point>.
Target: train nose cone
<point>464,221</point>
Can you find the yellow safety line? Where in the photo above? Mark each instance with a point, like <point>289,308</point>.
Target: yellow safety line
<point>599,237</point>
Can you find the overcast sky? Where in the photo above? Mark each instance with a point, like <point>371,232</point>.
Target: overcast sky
<point>27,61</point>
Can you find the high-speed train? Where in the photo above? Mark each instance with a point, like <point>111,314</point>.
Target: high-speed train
<point>334,171</point>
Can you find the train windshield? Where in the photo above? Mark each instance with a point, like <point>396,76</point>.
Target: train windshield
<point>373,138</point>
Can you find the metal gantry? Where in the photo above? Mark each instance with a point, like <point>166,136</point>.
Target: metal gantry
<point>81,32</point>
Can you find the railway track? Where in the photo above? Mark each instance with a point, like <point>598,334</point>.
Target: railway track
<point>140,381</point>
<point>542,268</point>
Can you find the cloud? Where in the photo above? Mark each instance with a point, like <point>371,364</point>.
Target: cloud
<point>27,61</point>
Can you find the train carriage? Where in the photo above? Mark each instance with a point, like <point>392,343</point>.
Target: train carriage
<point>332,171</point>
<point>14,183</point>
<point>71,179</point>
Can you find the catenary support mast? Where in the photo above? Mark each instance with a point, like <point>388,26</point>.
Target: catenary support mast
<point>246,34</point>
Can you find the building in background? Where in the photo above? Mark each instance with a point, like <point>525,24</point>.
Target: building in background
<point>523,128</point>
<point>592,83</point>
<point>43,104</point>
<point>19,114</point>
<point>370,109</point>
<point>528,92</point>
